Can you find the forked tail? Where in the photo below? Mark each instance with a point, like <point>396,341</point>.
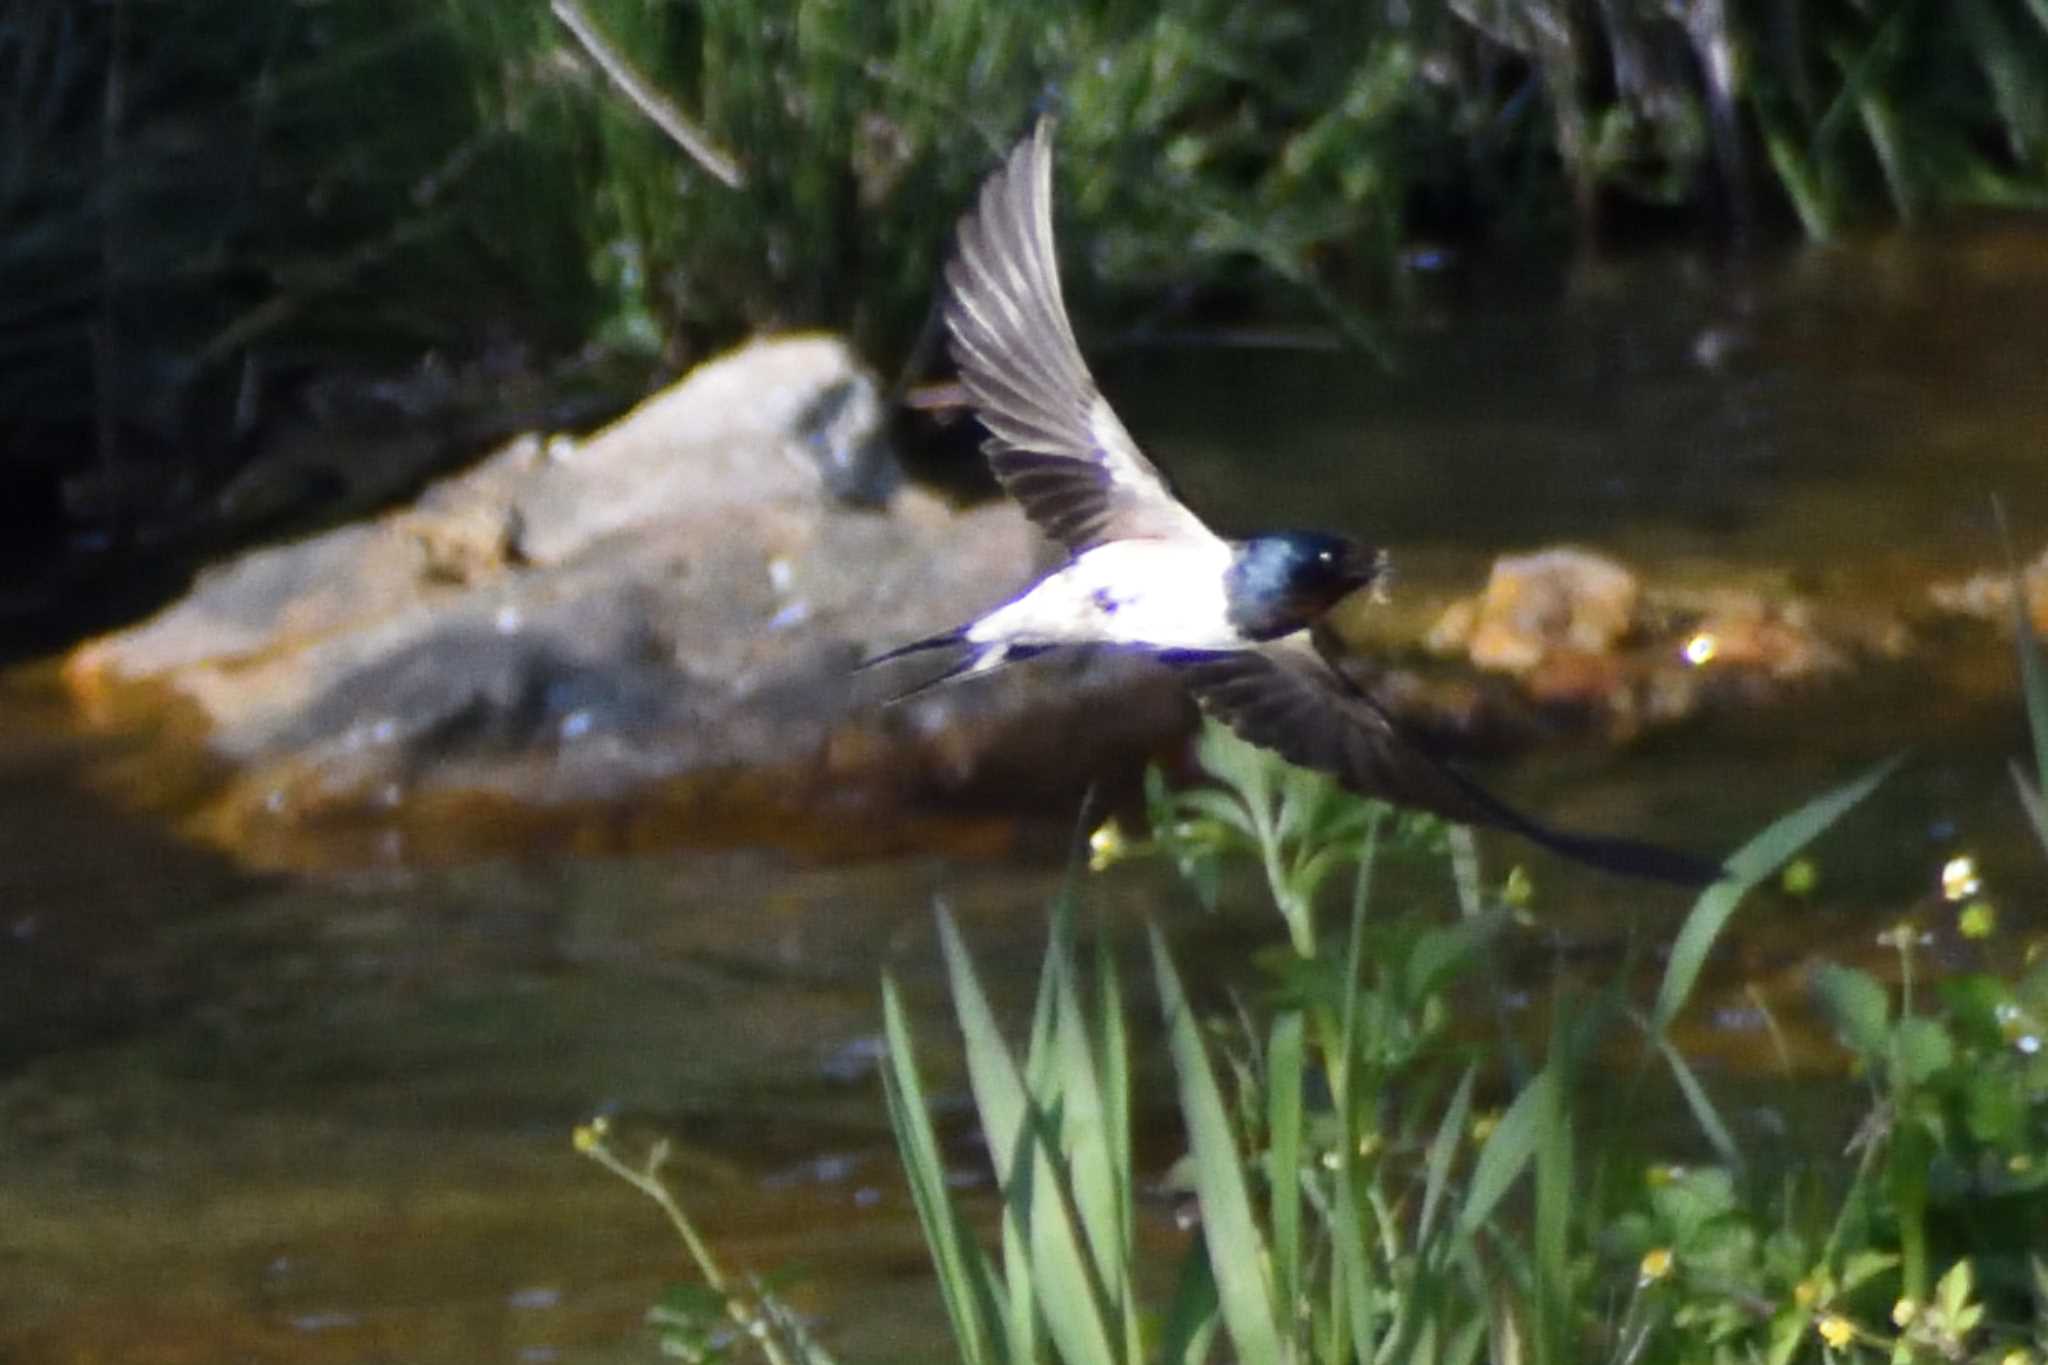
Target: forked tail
<point>974,660</point>
<point>1629,857</point>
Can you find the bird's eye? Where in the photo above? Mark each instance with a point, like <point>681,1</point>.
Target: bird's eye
<point>1326,557</point>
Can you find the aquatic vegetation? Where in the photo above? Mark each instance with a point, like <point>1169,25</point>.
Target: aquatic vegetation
<point>1355,1202</point>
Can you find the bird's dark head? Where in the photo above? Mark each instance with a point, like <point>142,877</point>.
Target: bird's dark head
<point>1279,583</point>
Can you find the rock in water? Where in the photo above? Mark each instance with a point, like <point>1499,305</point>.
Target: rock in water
<point>643,615</point>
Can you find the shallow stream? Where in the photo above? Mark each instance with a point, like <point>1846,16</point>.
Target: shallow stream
<point>267,1118</point>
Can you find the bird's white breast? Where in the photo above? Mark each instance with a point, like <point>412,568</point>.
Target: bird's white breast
<point>1160,594</point>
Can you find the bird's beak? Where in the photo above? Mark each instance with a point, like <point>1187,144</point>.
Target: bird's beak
<point>1368,567</point>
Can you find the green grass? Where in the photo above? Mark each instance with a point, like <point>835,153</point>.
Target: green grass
<point>1353,1208</point>
<point>189,191</point>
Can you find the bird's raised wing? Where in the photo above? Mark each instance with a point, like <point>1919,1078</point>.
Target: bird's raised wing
<point>1054,442</point>
<point>1289,698</point>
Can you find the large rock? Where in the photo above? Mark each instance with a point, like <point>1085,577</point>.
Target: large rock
<point>639,616</point>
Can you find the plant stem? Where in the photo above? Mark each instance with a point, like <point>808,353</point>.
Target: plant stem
<point>649,1183</point>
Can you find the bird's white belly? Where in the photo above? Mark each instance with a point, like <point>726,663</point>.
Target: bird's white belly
<point>1161,594</point>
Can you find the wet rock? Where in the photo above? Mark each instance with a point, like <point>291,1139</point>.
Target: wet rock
<point>1987,596</point>
<point>1588,646</point>
<point>631,619</point>
<point>1539,606</point>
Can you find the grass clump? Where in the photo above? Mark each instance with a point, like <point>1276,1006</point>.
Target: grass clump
<point>1358,1201</point>
<point>1374,1182</point>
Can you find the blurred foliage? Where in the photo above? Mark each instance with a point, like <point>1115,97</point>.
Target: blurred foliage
<point>199,200</point>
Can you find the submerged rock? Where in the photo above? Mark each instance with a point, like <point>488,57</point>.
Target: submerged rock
<point>630,622</point>
<point>1988,596</point>
<point>1541,606</point>
<point>1588,644</point>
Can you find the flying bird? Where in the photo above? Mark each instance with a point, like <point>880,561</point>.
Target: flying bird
<point>1242,620</point>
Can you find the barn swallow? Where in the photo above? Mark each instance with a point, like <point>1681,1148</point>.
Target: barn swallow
<point>1244,621</point>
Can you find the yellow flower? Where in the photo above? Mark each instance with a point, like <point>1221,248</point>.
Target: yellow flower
<point>1836,1330</point>
<point>1106,845</point>
<point>1656,1264</point>
<point>1903,1313</point>
<point>1800,877</point>
<point>1483,1126</point>
<point>1805,1293</point>
<point>1959,879</point>
<point>1978,919</point>
<point>588,1137</point>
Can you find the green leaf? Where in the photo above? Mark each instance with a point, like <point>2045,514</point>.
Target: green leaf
<point>1861,1266</point>
<point>1508,1150</point>
<point>1351,1288</point>
<point>1554,1195</point>
<point>1113,1060</point>
<point>1099,1180</point>
<point>2031,802</point>
<point>1237,1253</point>
<point>966,1281</point>
<point>1284,1062</point>
<point>1859,1006</point>
<point>1224,809</point>
<point>1192,1315</point>
<point>1700,1103</point>
<point>1689,1200</point>
<point>1924,1049</point>
<point>2033,669</point>
<point>1440,951</point>
<point>1022,1140</point>
<point>1750,864</point>
<point>1443,1150</point>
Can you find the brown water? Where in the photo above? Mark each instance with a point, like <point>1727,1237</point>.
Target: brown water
<point>266,1119</point>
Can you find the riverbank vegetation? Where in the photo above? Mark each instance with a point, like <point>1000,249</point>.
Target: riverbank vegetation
<point>1384,1164</point>
<point>202,205</point>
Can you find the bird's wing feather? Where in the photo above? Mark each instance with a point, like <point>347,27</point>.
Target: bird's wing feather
<point>1288,697</point>
<point>1284,697</point>
<point>1054,442</point>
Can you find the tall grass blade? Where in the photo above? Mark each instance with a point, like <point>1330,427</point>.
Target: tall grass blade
<point>1100,1185</point>
<point>1284,1062</point>
<point>1750,864</point>
<point>1023,1141</point>
<point>1190,1327</point>
<point>2031,801</point>
<point>1237,1253</point>
<point>1351,1287</point>
<point>2033,670</point>
<point>2010,68</point>
<point>965,1277</point>
<point>1113,1062</point>
<point>1508,1150</point>
<point>1443,1150</point>
<point>1554,1193</point>
<point>1703,1111</point>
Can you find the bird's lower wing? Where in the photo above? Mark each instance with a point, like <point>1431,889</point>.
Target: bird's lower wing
<point>1286,697</point>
